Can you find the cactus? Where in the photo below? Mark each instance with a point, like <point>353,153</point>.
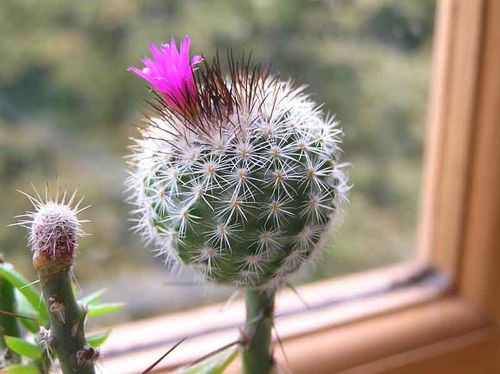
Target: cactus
<point>54,228</point>
<point>235,176</point>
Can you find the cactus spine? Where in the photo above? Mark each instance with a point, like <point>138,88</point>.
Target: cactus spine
<point>54,228</point>
<point>238,180</point>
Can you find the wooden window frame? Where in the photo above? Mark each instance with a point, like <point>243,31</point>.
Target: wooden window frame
<point>436,314</point>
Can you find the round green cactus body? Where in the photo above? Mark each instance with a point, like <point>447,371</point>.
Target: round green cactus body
<point>243,199</point>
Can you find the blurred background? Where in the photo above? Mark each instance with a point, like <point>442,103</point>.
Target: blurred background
<point>68,107</point>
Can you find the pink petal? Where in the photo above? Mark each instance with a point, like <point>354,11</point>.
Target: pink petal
<point>170,72</point>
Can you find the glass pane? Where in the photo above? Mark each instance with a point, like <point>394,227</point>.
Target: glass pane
<point>68,105</point>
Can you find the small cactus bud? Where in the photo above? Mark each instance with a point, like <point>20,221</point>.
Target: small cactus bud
<point>242,187</point>
<point>53,229</point>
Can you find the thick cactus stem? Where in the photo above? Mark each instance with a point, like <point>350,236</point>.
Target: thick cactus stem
<point>257,353</point>
<point>67,317</point>
<point>8,323</point>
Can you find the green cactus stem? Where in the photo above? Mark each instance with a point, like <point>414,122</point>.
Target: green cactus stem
<point>257,353</point>
<point>8,323</point>
<point>67,317</point>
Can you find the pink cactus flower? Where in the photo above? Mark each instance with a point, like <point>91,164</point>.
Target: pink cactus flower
<point>171,73</point>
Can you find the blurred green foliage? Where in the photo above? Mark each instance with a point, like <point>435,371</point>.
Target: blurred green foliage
<point>67,106</point>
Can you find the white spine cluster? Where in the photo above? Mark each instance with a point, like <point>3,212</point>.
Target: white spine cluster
<point>246,201</point>
<point>53,225</point>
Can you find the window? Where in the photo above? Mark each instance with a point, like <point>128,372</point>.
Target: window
<point>442,319</point>
<point>434,313</point>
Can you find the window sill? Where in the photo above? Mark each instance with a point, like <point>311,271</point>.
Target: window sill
<point>363,318</point>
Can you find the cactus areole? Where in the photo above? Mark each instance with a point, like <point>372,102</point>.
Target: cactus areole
<point>236,174</point>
